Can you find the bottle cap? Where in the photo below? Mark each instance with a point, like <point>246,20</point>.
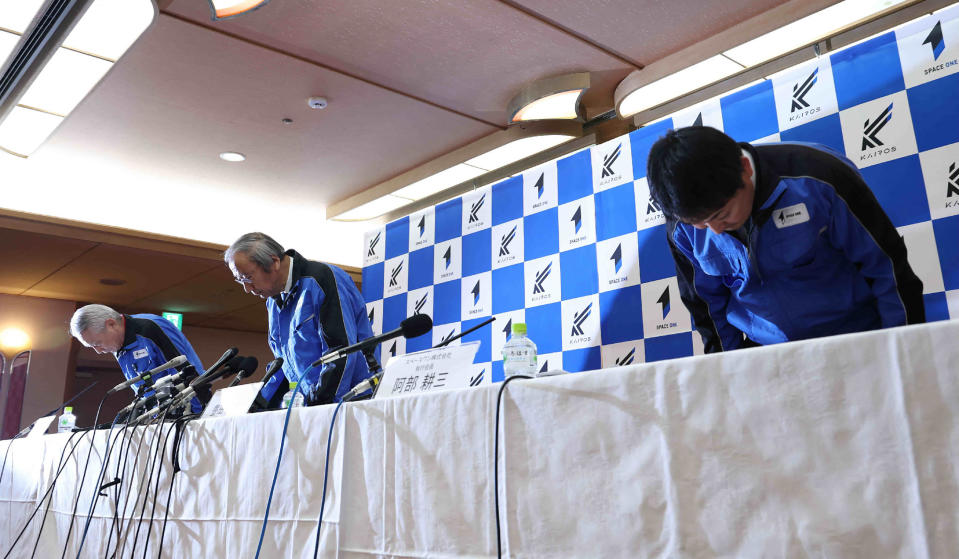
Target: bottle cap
<point>68,409</point>
<point>519,328</point>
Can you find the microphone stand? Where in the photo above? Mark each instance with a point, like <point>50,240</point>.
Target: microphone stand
<point>375,370</point>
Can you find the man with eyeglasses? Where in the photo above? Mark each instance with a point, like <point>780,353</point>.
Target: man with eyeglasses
<point>777,242</point>
<point>312,307</point>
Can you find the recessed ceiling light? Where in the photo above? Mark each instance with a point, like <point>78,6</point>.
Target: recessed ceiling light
<point>232,156</point>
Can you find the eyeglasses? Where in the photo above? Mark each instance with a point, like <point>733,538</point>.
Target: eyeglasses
<point>242,280</point>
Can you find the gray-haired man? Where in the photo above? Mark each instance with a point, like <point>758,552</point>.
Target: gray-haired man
<point>139,342</point>
<point>312,307</point>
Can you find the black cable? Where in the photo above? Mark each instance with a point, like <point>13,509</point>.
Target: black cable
<point>83,477</point>
<point>174,458</point>
<point>125,525</point>
<point>148,468</point>
<point>48,492</point>
<point>118,476</point>
<point>156,489</point>
<point>499,398</point>
<point>46,510</point>
<point>326,471</point>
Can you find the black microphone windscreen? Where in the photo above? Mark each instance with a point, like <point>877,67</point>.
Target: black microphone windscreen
<point>416,325</point>
<point>248,366</point>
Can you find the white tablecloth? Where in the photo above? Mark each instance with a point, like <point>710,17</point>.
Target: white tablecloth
<point>838,447</point>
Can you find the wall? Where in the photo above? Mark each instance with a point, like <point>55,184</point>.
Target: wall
<point>46,322</point>
<point>576,248</point>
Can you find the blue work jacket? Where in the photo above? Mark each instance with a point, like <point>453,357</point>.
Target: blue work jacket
<point>323,310</point>
<point>818,256</point>
<point>150,341</point>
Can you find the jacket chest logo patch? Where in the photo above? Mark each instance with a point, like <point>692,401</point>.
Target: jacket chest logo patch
<point>140,353</point>
<point>790,215</point>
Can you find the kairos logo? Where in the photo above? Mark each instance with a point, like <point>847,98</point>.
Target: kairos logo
<point>395,272</point>
<point>507,243</point>
<point>612,163</point>
<point>608,161</point>
<point>542,280</point>
<point>952,185</point>
<point>800,90</point>
<point>623,354</point>
<point>648,211</point>
<point>870,132</point>
<point>581,322</point>
<point>475,208</point>
<point>878,131</point>
<point>373,247</point>
<point>371,253</point>
<point>477,212</point>
<point>940,173</point>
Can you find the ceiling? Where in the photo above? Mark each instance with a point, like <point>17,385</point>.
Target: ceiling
<point>406,82</point>
<point>131,185</point>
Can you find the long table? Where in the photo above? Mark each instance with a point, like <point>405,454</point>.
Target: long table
<point>836,447</point>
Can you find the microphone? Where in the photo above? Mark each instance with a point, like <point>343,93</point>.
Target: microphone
<point>270,369</point>
<point>227,355</point>
<point>186,391</point>
<point>177,361</point>
<point>170,379</point>
<point>414,326</point>
<point>239,364</point>
<point>368,384</point>
<point>247,368</point>
<point>134,405</point>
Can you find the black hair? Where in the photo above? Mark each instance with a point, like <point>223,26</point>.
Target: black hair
<point>694,171</point>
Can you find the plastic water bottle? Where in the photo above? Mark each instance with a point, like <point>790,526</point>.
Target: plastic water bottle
<point>67,420</point>
<point>298,401</point>
<point>519,353</point>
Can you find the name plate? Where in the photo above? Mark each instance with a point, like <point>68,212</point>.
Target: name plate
<point>228,402</point>
<point>40,426</point>
<point>431,370</point>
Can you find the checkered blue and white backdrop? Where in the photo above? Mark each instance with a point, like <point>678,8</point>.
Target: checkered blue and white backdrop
<point>576,249</point>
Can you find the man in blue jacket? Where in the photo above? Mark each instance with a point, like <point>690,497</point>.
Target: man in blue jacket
<point>139,342</point>
<point>312,307</point>
<point>777,242</point>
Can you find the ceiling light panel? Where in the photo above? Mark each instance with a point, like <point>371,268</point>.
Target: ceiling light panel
<point>516,150</point>
<point>25,129</point>
<point>229,8</point>
<point>16,15</point>
<point>807,30</point>
<point>109,27</point>
<point>375,208</point>
<point>7,42</point>
<point>66,79</point>
<point>558,105</point>
<point>440,181</point>
<point>678,84</point>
